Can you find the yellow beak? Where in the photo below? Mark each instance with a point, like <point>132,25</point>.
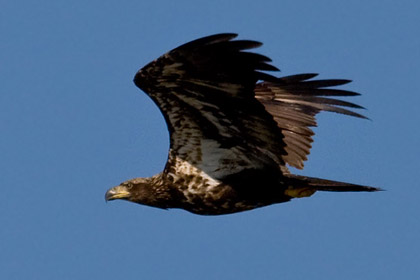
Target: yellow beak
<point>117,192</point>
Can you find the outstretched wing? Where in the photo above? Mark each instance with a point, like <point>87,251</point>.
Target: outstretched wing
<point>294,101</point>
<point>205,90</point>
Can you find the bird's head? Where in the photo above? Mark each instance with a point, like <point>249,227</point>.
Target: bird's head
<point>136,190</point>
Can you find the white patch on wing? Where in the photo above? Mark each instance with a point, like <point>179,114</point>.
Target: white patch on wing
<point>223,129</point>
<point>207,154</point>
<point>219,162</point>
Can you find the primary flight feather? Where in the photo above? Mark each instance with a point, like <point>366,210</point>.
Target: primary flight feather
<point>233,129</point>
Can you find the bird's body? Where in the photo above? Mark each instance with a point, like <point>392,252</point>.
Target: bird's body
<point>231,137</point>
<point>201,194</point>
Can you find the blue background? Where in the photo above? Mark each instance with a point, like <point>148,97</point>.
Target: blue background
<point>73,125</point>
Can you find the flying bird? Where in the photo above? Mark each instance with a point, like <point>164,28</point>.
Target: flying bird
<point>234,129</point>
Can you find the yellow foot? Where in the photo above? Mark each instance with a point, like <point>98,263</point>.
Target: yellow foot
<point>299,192</point>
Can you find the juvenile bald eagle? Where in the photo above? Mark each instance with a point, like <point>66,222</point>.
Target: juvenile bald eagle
<point>233,129</point>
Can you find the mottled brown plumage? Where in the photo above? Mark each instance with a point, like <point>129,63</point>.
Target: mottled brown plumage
<point>231,137</point>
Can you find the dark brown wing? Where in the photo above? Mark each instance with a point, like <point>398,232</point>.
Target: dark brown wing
<point>205,90</point>
<point>294,101</point>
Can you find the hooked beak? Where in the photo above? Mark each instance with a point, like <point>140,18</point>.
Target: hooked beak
<point>118,192</point>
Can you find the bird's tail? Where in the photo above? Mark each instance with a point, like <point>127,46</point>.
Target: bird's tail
<point>302,186</point>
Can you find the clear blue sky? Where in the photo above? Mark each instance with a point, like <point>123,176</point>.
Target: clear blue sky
<point>73,124</point>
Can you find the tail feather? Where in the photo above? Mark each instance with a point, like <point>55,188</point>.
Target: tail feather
<point>327,185</point>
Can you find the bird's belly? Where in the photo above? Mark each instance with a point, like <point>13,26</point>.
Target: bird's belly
<point>200,193</point>
<point>223,199</point>
<point>214,203</point>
